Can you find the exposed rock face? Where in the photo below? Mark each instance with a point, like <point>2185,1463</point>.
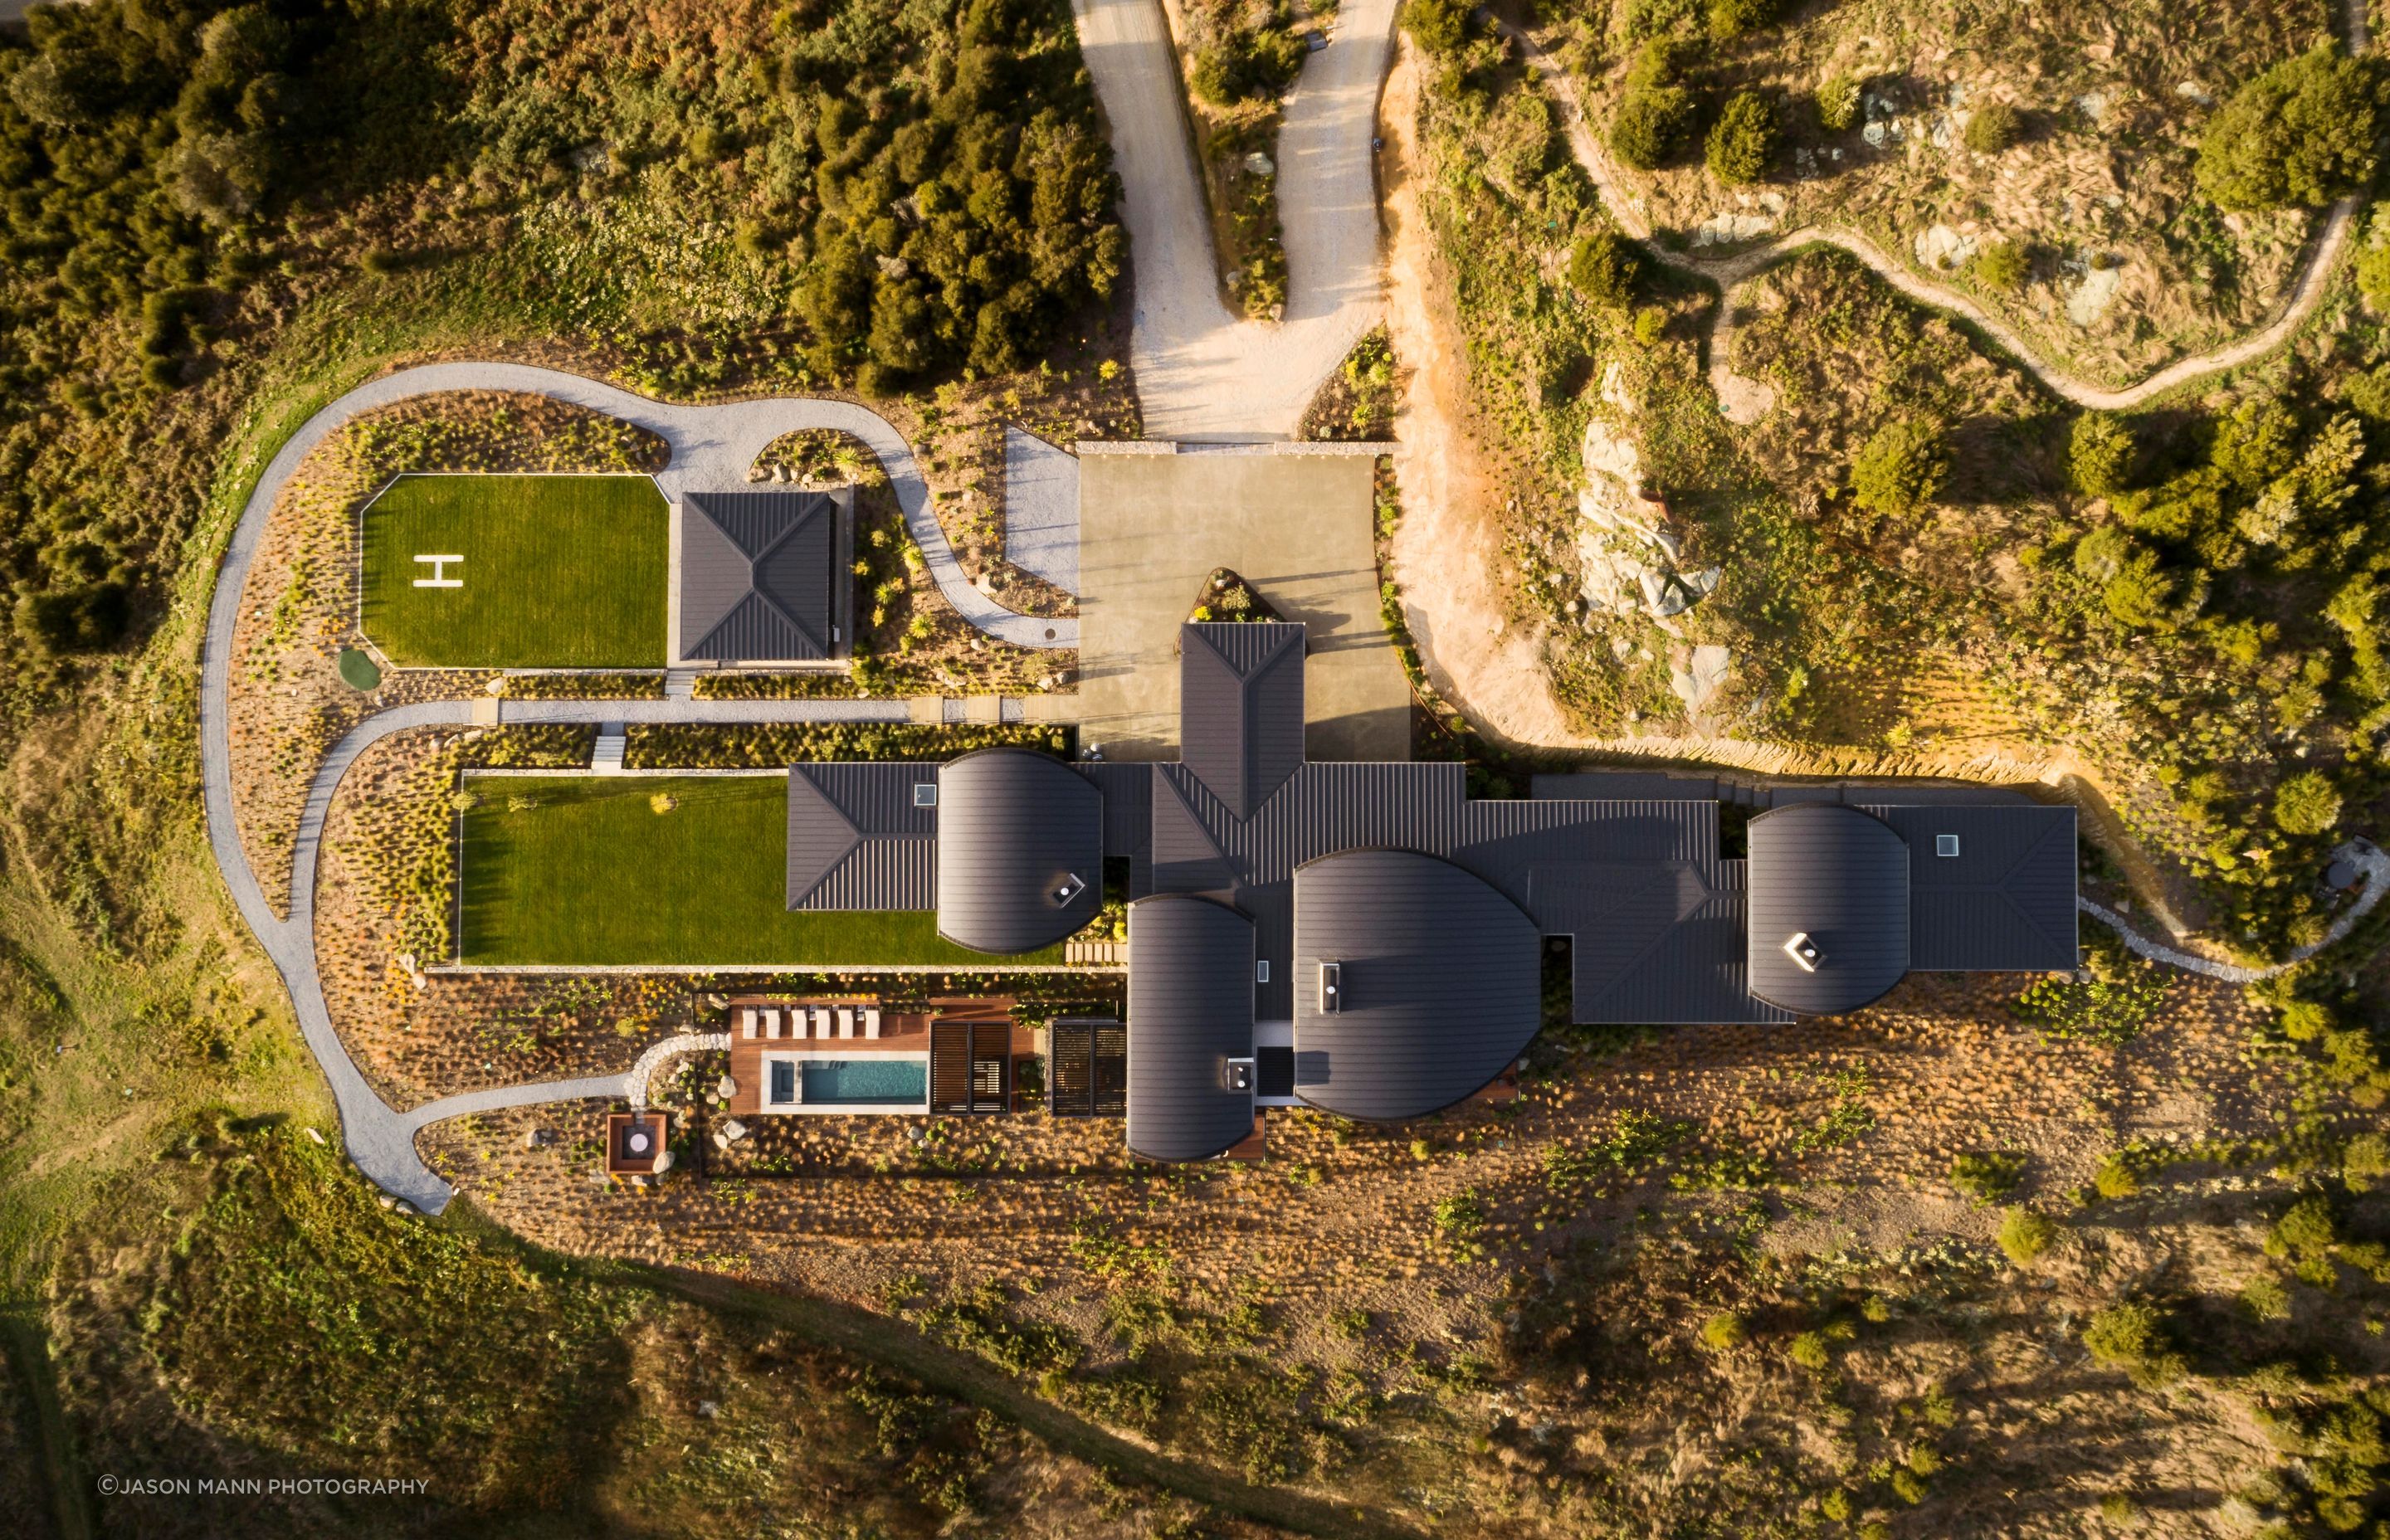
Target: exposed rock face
<point>1698,675</point>
<point>1626,547</point>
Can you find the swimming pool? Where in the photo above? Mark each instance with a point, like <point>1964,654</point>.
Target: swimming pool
<point>878,1081</point>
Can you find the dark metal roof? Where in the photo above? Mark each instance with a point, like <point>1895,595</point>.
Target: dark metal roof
<point>1189,1009</point>
<point>1441,981</point>
<point>855,839</point>
<point>1840,877</point>
<point>2005,902</point>
<point>1013,827</point>
<point>1241,708</point>
<point>760,576</point>
<point>1658,937</point>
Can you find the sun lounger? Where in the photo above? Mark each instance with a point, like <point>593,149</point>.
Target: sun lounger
<point>747,1022</point>
<point>821,1022</point>
<point>846,1022</point>
<point>772,1024</point>
<point>871,1020</point>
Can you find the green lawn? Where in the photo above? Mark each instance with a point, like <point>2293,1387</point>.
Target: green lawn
<point>593,875</point>
<point>558,572</point>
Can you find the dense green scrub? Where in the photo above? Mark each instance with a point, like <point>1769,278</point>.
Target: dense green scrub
<point>558,572</point>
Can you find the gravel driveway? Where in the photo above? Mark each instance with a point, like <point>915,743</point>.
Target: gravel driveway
<point>1200,373</point>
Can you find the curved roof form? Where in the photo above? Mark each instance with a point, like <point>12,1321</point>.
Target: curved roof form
<point>1021,851</point>
<point>1441,983</point>
<point>1190,1009</point>
<point>1838,880</point>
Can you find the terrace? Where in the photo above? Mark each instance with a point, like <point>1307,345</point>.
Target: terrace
<point>840,1056</point>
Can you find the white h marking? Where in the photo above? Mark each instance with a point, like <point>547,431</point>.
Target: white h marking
<point>439,578</point>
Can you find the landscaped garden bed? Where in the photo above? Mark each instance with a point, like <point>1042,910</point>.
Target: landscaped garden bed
<point>553,571</point>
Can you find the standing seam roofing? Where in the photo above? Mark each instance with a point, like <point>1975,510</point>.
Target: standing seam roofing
<point>1189,1010</point>
<point>1440,980</point>
<point>758,576</point>
<point>1012,825</point>
<point>1841,878</point>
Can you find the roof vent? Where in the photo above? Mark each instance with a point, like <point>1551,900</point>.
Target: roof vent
<point>1803,951</point>
<point>1331,988</point>
<point>1070,888</point>
<point>1237,1074</point>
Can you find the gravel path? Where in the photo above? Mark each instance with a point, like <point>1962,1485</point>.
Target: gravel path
<point>711,446</point>
<point>1745,400</point>
<point>1200,373</point>
<point>1041,508</point>
<point>2360,853</point>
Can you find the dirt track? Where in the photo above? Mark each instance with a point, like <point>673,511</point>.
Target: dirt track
<point>1747,401</point>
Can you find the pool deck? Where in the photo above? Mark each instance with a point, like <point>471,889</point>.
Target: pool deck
<point>901,1033</point>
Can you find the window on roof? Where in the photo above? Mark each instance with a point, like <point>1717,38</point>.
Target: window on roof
<point>1945,845</point>
<point>925,793</point>
<point>1261,970</point>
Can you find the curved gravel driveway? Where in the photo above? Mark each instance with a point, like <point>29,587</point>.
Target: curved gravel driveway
<point>711,446</point>
<point>1201,372</point>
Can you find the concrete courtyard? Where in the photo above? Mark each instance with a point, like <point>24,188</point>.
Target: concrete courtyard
<point>1297,527</point>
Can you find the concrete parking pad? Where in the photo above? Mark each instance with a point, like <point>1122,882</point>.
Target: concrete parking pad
<point>1041,508</point>
<point>1154,526</point>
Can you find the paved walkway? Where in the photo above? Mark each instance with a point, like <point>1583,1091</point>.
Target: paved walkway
<point>1041,508</point>
<point>711,446</point>
<point>1747,401</point>
<point>1200,373</point>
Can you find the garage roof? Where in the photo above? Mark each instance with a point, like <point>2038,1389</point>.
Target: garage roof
<point>759,577</point>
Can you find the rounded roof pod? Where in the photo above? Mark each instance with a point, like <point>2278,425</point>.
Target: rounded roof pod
<point>1829,908</point>
<point>1438,984</point>
<point>1021,851</point>
<point>1190,1011</point>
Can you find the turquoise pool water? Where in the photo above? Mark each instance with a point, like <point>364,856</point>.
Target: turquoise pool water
<point>879,1081</point>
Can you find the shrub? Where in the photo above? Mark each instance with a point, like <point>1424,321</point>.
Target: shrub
<point>1651,325</point>
<point>1809,1351</point>
<point>1901,469</point>
<point>2369,394</point>
<point>1724,1330</point>
<point>1838,103</point>
<point>2116,1177</point>
<point>2265,1298</point>
<point>1836,1505</point>
<point>1605,269</point>
<point>1993,128</point>
<point>662,802</point>
<point>2133,1336</point>
<point>2306,1230</point>
<point>2307,804</point>
<point>1907,1485</point>
<point>2004,265</point>
<point>2301,133</point>
<point>2365,1162</point>
<point>1743,141</point>
<point>2100,454</point>
<point>1987,1178</point>
<point>2024,1235</point>
<point>2373,279</point>
<point>1649,124</point>
<point>1733,19</point>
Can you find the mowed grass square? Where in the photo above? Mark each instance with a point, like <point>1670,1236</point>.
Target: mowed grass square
<point>583,870</point>
<point>557,571</point>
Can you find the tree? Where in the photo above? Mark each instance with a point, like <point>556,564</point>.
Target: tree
<point>1838,104</point>
<point>2100,454</point>
<point>2004,265</point>
<point>1605,269</point>
<point>1743,141</point>
<point>2307,804</point>
<point>1993,128</point>
<point>1901,469</point>
<point>1649,126</point>
<point>1439,26</point>
<point>1731,19</point>
<point>2299,135</point>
